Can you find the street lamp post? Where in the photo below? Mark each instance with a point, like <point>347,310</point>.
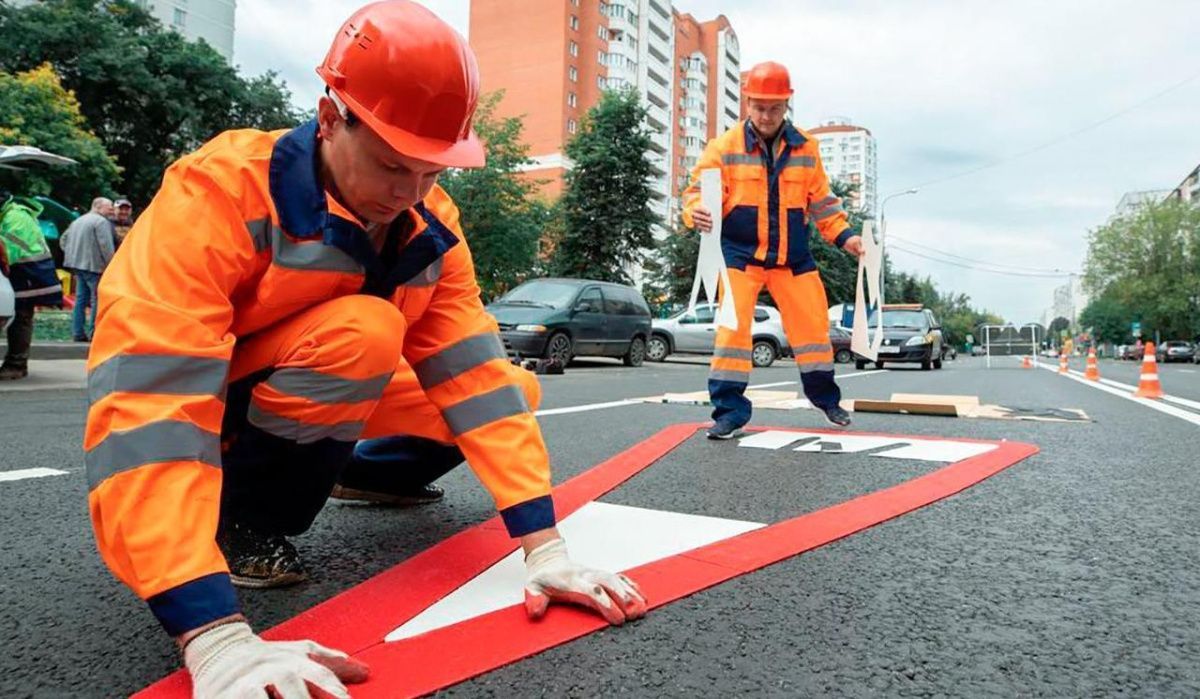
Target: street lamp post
<point>883,227</point>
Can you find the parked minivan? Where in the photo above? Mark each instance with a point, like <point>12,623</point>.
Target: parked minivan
<point>565,318</point>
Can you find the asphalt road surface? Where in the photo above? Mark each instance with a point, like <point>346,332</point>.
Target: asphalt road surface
<point>1072,573</point>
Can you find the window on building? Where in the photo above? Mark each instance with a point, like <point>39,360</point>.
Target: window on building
<point>574,48</point>
<point>573,74</point>
<point>571,126</point>
<point>571,101</point>
<point>574,23</point>
<point>600,81</point>
<point>602,32</point>
<point>179,20</point>
<point>575,3</point>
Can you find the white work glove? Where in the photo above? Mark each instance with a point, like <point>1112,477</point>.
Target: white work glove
<point>231,662</point>
<point>555,577</point>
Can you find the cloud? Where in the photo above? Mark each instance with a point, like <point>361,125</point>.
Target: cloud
<point>945,86</point>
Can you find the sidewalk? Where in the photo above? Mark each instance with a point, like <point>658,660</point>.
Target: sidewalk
<point>48,349</point>
<point>60,375</point>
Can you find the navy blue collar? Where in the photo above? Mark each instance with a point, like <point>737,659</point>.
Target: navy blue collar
<point>791,135</point>
<point>299,197</point>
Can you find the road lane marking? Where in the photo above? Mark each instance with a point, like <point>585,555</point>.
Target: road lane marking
<point>1153,404</point>
<point>630,401</point>
<point>25,473</point>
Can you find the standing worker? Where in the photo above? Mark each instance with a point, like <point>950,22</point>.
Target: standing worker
<point>30,269</point>
<point>773,185</point>
<point>284,295</point>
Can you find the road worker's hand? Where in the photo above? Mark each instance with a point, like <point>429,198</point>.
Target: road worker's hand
<point>702,217</point>
<point>231,661</point>
<point>854,246</point>
<point>553,577</point>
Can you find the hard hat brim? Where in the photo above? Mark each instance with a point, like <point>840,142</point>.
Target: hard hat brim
<point>466,153</point>
<point>769,95</point>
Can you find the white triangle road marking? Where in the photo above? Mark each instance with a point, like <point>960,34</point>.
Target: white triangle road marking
<point>599,534</point>
<point>22,474</point>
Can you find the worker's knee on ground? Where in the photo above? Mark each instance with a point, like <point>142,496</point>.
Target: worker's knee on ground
<point>371,333</point>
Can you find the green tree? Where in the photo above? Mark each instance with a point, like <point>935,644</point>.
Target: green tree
<point>1108,319</point>
<point>35,110</point>
<point>149,94</point>
<point>501,217</point>
<point>671,269</point>
<point>1148,261</point>
<point>606,206</point>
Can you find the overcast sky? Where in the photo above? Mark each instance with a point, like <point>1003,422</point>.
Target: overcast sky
<point>945,87</point>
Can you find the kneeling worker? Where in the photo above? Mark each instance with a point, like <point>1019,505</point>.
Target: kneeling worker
<point>285,295</point>
<point>773,186</point>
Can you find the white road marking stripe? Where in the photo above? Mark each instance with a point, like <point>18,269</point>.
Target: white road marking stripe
<point>618,403</point>
<point>24,473</point>
<point>1170,399</point>
<point>1153,404</point>
<point>839,377</point>
<point>585,408</point>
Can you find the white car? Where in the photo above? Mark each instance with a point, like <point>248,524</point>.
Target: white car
<point>695,333</point>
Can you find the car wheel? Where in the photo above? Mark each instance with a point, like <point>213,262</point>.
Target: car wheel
<point>636,354</point>
<point>657,348</point>
<point>763,354</point>
<point>860,364</point>
<point>843,356</point>
<point>559,347</point>
<point>878,365</point>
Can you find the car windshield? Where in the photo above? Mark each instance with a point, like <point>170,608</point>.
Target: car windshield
<point>900,319</point>
<point>547,294</point>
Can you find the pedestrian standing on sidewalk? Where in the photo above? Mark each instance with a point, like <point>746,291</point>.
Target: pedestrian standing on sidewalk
<point>87,249</point>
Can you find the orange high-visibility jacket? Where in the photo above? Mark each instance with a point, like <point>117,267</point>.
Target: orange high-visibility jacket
<point>240,236</point>
<point>767,202</point>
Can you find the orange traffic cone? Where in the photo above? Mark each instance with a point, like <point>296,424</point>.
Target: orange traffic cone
<point>1148,386</point>
<point>1093,370</point>
<point>1025,363</point>
<point>1062,363</point>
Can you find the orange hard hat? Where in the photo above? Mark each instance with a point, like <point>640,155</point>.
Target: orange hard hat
<point>411,78</point>
<point>768,81</point>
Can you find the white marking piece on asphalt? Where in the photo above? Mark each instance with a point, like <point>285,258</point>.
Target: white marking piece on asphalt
<point>585,408</point>
<point>599,534</point>
<point>24,473</point>
<point>772,439</point>
<point>848,443</point>
<point>930,450</point>
<point>1128,395</point>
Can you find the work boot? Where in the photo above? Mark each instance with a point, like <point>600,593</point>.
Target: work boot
<point>12,372</point>
<point>422,495</point>
<point>259,561</point>
<point>837,417</point>
<point>81,338</point>
<point>724,430</point>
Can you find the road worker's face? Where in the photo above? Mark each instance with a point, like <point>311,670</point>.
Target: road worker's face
<point>369,177</point>
<point>767,116</point>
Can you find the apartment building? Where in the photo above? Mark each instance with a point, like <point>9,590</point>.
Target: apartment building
<point>848,152</point>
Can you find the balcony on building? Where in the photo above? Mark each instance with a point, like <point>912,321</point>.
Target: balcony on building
<point>622,19</point>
